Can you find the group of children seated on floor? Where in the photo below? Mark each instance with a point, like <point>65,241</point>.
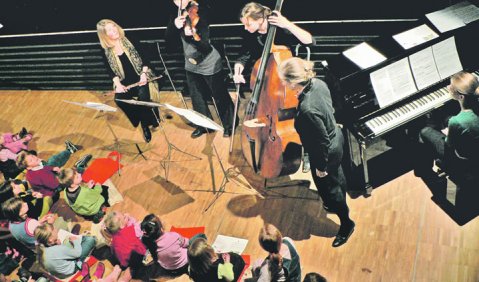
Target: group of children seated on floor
<point>141,250</point>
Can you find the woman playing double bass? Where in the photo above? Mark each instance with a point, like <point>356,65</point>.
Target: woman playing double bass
<point>256,19</point>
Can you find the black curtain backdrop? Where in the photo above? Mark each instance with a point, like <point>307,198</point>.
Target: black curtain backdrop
<point>35,16</point>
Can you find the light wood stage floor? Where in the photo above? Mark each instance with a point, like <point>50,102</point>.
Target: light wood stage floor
<point>401,233</point>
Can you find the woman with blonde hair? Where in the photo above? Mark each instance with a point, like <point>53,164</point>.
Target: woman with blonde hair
<point>128,67</point>
<point>457,144</point>
<point>321,138</point>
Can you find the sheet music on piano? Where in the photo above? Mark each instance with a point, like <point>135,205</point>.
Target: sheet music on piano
<point>393,82</point>
<point>424,68</point>
<point>454,16</point>
<point>446,57</point>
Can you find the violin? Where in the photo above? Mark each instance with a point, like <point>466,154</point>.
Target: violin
<point>192,17</point>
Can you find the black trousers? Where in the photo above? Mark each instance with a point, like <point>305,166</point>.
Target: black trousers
<point>137,113</point>
<point>199,85</point>
<point>332,187</point>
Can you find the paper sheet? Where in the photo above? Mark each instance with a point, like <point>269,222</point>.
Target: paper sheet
<point>447,58</point>
<point>93,105</point>
<point>224,244</point>
<point>364,55</point>
<point>415,36</point>
<point>424,68</point>
<point>393,82</point>
<point>195,117</point>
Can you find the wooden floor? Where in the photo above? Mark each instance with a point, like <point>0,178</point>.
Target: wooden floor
<point>401,233</point>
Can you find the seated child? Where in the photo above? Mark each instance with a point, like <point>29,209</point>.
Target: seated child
<point>12,144</point>
<point>168,248</point>
<point>62,257</point>
<point>20,225</point>
<point>42,175</point>
<point>207,265</point>
<point>85,199</point>
<point>125,239</point>
<point>38,205</point>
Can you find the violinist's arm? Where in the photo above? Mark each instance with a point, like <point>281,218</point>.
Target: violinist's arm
<point>281,21</point>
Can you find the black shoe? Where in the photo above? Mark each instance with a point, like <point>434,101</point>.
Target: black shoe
<point>227,132</point>
<point>343,236</point>
<point>83,161</point>
<point>198,132</point>
<point>146,133</point>
<point>70,146</point>
<point>23,132</point>
<point>76,229</point>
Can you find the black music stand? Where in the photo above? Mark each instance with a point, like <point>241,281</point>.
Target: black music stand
<point>205,122</point>
<point>165,162</point>
<point>103,108</point>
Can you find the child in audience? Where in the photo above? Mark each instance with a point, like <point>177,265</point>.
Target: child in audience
<point>20,225</point>
<point>208,266</point>
<point>86,199</point>
<point>11,144</point>
<point>168,248</point>
<point>125,239</point>
<point>42,175</point>
<point>62,258</point>
<point>38,206</point>
<point>282,263</point>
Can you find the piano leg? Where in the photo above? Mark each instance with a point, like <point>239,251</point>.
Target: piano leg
<point>368,189</point>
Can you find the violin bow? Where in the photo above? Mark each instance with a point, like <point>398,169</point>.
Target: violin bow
<point>134,85</point>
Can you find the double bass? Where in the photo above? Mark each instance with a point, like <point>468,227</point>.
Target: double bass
<point>269,141</point>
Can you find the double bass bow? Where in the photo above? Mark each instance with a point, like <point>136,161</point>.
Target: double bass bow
<point>269,141</point>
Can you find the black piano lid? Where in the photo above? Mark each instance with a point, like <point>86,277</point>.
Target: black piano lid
<point>355,82</point>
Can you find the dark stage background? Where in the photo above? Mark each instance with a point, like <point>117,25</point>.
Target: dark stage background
<point>34,16</point>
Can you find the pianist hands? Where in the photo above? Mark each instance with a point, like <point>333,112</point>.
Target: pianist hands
<point>320,173</point>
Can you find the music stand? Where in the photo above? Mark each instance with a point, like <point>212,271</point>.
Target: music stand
<point>205,122</point>
<point>99,107</point>
<point>165,162</point>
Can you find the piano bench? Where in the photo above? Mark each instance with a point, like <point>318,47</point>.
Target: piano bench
<point>461,175</point>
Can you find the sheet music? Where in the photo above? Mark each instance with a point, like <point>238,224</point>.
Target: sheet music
<point>424,68</point>
<point>466,11</point>
<point>393,82</point>
<point>415,36</point>
<point>225,244</point>
<point>93,105</point>
<point>454,16</point>
<point>364,55</point>
<point>446,57</point>
<point>64,235</point>
<point>195,117</point>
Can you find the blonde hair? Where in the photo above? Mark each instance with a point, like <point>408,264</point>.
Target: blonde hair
<point>255,11</point>
<point>42,234</point>
<point>296,71</point>
<point>66,176</point>
<point>200,256</point>
<point>101,31</point>
<point>112,224</point>
<point>466,84</point>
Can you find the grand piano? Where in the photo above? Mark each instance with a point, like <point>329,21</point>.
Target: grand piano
<point>364,116</point>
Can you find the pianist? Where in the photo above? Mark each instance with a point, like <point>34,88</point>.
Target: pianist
<point>458,143</point>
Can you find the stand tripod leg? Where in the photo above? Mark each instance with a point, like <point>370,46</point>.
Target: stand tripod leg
<point>165,163</point>
<point>225,180</point>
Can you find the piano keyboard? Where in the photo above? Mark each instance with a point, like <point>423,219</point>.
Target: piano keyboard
<point>408,111</point>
